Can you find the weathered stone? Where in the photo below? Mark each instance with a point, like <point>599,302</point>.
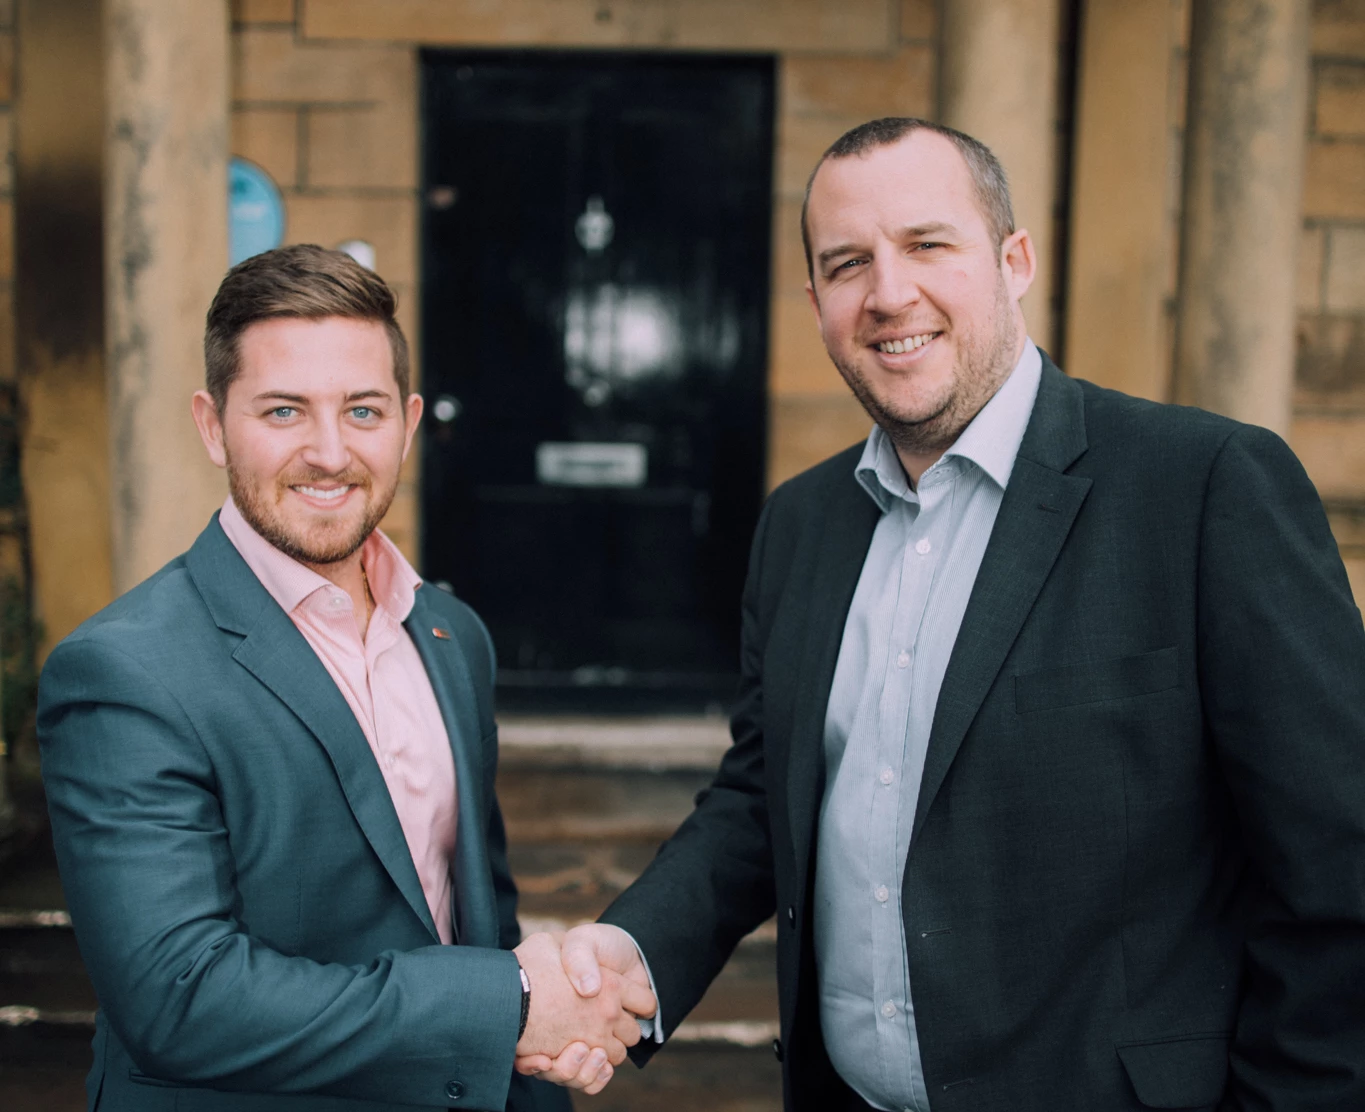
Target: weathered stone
<point>1119,269</point>
<point>7,368</point>
<point>998,82</point>
<point>166,98</point>
<point>1243,170</point>
<point>821,25</point>
<point>1332,450</point>
<point>269,137</point>
<point>919,20</point>
<point>1339,28</point>
<point>1330,356</point>
<point>363,148</point>
<point>389,223</point>
<point>789,256</point>
<point>900,84</point>
<point>801,140</point>
<point>262,11</point>
<point>1332,187</point>
<point>6,255</point>
<point>1308,290</point>
<point>1345,285</point>
<point>6,66</point>
<point>799,364</point>
<point>6,152</point>
<point>804,431</point>
<point>273,65</point>
<point>1339,106</point>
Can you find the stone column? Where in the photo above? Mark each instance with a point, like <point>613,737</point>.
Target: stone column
<point>998,83</point>
<point>1244,157</point>
<point>166,149</point>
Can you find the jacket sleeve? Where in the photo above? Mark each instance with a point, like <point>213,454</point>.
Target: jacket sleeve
<point>1282,672</point>
<point>712,881</point>
<point>149,874</point>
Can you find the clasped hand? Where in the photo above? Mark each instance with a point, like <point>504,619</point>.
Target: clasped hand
<point>587,988</point>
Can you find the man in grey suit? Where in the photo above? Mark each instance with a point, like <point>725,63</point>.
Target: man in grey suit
<point>1049,752</point>
<point>270,767</point>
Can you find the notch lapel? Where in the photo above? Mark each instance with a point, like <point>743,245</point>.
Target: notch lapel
<point>476,914</point>
<point>1036,514</point>
<point>279,656</point>
<point>849,519</point>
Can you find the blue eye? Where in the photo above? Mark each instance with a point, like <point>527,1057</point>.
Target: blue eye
<point>283,412</point>
<point>362,413</point>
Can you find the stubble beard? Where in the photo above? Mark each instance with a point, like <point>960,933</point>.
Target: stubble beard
<point>980,369</point>
<point>313,551</point>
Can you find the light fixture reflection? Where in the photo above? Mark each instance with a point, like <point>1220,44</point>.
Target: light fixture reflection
<point>616,337</point>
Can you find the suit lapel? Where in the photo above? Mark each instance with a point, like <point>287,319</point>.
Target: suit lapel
<point>475,904</point>
<point>849,519</point>
<point>1036,514</point>
<point>276,653</point>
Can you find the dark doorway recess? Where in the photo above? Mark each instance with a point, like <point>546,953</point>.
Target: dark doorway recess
<point>595,253</point>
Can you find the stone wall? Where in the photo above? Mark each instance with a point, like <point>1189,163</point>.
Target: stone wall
<point>1329,424</point>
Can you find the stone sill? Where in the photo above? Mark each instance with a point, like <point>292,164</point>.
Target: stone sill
<point>652,744</point>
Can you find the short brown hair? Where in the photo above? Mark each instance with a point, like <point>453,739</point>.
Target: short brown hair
<point>303,281</point>
<point>988,176</point>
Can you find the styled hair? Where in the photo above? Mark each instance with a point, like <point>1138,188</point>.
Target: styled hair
<point>303,281</point>
<point>988,176</point>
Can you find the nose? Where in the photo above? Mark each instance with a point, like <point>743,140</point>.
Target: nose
<point>326,449</point>
<point>894,287</point>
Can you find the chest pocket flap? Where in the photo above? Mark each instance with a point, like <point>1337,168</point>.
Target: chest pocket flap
<point>1118,678</point>
<point>1178,1073</point>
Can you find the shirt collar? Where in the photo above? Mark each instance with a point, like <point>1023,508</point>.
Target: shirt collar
<point>991,440</point>
<point>393,582</point>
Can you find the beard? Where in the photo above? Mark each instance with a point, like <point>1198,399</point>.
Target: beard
<point>319,545</point>
<point>981,365</point>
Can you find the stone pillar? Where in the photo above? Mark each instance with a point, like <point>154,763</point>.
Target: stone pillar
<point>165,235</point>
<point>1244,158</point>
<point>998,83</point>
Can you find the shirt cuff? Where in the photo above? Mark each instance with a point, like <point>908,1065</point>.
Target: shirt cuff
<point>653,1027</point>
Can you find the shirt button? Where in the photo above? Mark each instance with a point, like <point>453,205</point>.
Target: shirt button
<point>889,1010</point>
<point>882,894</point>
<point>903,661</point>
<point>454,1090</point>
<point>886,777</point>
<point>922,546</point>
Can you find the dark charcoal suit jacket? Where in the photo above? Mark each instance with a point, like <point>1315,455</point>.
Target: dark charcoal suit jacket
<point>1137,871</point>
<point>242,892</point>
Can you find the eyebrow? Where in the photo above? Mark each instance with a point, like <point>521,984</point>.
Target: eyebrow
<point>299,399</point>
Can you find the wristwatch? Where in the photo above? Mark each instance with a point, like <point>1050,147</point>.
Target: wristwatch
<point>525,1000</point>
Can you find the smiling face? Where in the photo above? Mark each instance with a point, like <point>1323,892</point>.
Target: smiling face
<point>312,432</point>
<point>918,307</point>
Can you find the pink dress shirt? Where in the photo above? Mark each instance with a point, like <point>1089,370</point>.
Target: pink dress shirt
<point>384,683</point>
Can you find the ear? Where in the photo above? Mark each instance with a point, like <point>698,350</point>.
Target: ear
<point>815,305</point>
<point>210,425</point>
<point>1018,263</point>
<point>412,414</point>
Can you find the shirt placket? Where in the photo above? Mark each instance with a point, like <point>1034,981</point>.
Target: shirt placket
<point>915,574</point>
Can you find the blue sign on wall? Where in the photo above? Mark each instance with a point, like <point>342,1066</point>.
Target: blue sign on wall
<point>255,211</point>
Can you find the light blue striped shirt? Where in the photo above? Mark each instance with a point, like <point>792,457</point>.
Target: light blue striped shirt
<point>900,631</point>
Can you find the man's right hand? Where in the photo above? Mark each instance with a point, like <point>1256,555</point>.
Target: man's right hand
<point>598,959</point>
<point>565,1021</point>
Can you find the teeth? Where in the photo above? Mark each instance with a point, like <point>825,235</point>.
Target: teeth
<point>910,343</point>
<point>325,495</point>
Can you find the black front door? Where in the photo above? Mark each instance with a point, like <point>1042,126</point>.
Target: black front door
<point>595,303</point>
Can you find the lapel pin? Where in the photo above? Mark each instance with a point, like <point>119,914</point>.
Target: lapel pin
<point>441,634</point>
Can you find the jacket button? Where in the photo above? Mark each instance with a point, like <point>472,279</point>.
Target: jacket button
<point>454,1090</point>
<point>777,1049</point>
<point>791,915</point>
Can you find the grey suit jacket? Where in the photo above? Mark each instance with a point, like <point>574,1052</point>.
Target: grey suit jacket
<point>240,886</point>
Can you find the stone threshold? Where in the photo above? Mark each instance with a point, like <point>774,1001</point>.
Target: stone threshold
<point>673,743</point>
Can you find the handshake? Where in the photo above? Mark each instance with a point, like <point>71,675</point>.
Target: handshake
<point>588,987</point>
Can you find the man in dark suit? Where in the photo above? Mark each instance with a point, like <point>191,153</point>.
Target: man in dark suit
<point>270,767</point>
<point>1049,752</point>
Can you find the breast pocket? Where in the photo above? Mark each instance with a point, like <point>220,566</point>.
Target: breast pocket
<point>1099,682</point>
